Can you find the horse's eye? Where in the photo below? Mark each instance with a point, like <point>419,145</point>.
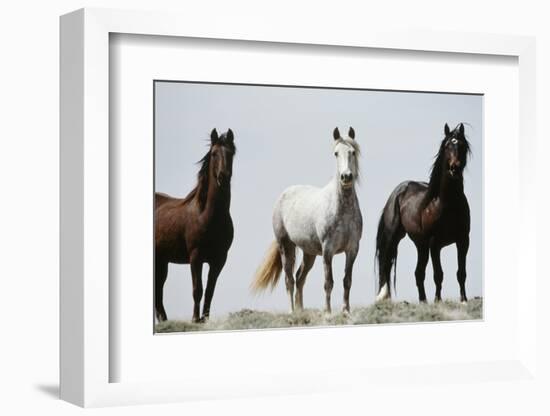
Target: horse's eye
<point>353,153</point>
<point>335,153</point>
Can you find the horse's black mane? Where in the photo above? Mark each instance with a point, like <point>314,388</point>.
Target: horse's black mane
<point>202,176</point>
<point>437,169</point>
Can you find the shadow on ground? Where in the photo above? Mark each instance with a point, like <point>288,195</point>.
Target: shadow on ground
<point>51,390</point>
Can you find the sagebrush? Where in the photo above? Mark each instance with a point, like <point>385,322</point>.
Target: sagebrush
<point>378,313</point>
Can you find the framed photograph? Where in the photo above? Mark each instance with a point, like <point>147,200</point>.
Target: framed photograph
<point>227,213</point>
<point>273,191</point>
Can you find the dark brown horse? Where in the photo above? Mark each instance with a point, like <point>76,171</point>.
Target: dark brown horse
<point>198,228</point>
<point>433,215</point>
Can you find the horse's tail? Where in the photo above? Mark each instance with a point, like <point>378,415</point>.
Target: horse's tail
<point>390,232</point>
<point>269,271</point>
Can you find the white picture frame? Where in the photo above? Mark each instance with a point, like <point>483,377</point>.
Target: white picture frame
<point>85,177</point>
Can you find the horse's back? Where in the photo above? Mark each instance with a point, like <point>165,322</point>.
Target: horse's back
<point>161,198</point>
<point>409,186</point>
<point>169,229</point>
<point>407,193</point>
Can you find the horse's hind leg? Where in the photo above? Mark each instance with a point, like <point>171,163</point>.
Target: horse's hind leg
<point>462,250</point>
<point>301,274</point>
<point>288,257</point>
<point>213,273</point>
<point>387,243</point>
<point>161,271</point>
<point>420,272</point>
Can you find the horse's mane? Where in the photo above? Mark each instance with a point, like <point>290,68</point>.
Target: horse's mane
<point>352,142</point>
<point>356,147</point>
<point>201,188</point>
<point>436,170</point>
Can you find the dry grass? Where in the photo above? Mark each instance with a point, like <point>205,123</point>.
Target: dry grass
<point>379,313</point>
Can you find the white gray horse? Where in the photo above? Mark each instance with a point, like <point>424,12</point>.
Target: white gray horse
<point>321,222</point>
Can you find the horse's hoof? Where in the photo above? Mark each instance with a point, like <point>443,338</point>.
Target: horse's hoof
<point>204,319</point>
<point>383,294</point>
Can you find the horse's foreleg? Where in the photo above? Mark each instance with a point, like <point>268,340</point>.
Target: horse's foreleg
<point>196,274</point>
<point>462,251</point>
<point>288,257</point>
<point>161,271</point>
<point>305,267</point>
<point>435,252</point>
<point>420,272</point>
<point>213,273</point>
<point>350,259</point>
<point>329,281</point>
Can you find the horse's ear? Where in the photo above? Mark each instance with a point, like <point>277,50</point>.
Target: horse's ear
<point>214,136</point>
<point>461,129</point>
<point>229,136</point>
<point>351,133</point>
<point>336,133</point>
<point>447,130</point>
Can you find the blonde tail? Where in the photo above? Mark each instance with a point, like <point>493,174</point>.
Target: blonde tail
<point>269,271</point>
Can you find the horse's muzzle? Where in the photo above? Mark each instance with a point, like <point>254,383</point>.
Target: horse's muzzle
<point>346,179</point>
<point>454,169</point>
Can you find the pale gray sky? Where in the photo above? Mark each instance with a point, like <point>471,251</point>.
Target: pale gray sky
<point>283,138</point>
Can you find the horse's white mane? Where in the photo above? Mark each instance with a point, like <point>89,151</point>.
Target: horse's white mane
<point>349,141</point>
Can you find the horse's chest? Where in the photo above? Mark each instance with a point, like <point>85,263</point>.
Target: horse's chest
<point>343,232</point>
<point>215,237</point>
<point>220,233</point>
<point>444,224</point>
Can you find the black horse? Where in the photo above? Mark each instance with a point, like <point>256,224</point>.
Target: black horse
<point>433,215</point>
